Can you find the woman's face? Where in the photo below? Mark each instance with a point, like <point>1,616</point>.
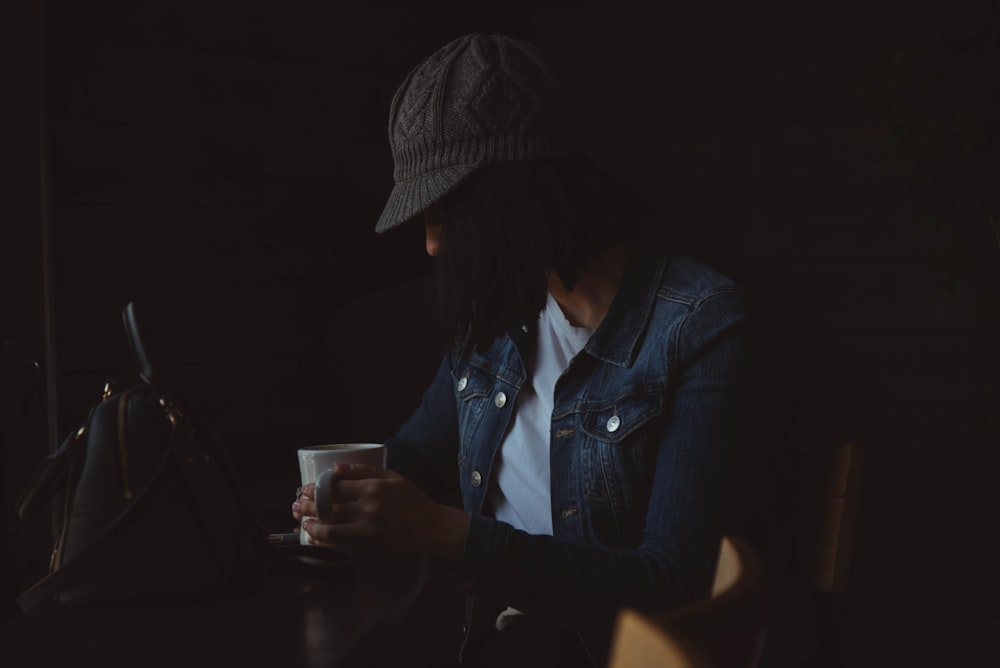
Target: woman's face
<point>434,228</point>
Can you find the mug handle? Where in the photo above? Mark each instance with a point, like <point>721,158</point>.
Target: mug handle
<point>324,483</point>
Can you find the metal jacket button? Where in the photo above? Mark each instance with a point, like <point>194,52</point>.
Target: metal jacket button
<point>477,479</point>
<point>463,381</point>
<point>501,400</point>
<point>614,422</point>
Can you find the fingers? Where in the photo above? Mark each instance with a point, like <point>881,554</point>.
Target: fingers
<point>368,510</point>
<point>318,532</point>
<point>313,527</point>
<point>345,487</point>
<point>304,508</point>
<point>352,536</point>
<point>355,481</point>
<point>336,534</point>
<point>352,515</point>
<point>350,483</point>
<point>304,504</point>
<point>342,512</point>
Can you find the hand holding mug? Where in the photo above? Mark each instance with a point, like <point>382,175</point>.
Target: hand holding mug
<point>370,510</point>
<point>318,458</point>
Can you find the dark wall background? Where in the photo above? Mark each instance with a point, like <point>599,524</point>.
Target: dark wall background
<point>225,162</point>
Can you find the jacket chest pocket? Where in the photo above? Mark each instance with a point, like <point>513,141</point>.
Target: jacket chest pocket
<point>618,452</point>
<point>476,396</point>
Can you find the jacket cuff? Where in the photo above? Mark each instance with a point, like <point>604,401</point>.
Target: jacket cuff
<point>484,553</point>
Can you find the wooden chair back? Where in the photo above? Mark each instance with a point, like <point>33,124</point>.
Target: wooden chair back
<point>722,631</point>
<point>828,510</point>
<point>823,543</point>
<point>642,643</point>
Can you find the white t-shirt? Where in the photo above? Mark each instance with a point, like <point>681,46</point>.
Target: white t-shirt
<point>521,494</point>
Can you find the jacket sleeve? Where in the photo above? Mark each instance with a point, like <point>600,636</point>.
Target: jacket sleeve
<point>575,583</point>
<point>425,449</point>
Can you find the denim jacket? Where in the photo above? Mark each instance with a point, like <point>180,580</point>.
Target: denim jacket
<point>645,425</point>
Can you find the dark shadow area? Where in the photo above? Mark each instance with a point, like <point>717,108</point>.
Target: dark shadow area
<point>224,164</point>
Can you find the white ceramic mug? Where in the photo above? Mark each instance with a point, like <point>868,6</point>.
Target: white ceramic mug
<point>316,459</point>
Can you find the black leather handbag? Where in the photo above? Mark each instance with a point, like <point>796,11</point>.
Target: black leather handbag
<point>150,507</point>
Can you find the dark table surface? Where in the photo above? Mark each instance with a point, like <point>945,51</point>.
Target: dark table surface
<point>370,612</point>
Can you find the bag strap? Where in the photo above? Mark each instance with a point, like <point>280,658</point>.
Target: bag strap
<point>203,462</point>
<point>301,560</point>
<point>160,376</point>
<point>99,550</point>
<point>50,475</point>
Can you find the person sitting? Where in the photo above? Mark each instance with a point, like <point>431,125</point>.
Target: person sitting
<point>573,452</point>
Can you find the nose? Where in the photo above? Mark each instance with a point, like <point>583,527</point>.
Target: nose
<point>435,237</point>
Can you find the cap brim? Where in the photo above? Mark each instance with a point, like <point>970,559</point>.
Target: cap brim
<point>412,197</point>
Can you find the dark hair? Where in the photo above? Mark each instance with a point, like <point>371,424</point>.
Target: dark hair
<point>510,223</point>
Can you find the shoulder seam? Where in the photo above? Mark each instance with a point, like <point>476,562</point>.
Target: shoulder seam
<point>695,301</point>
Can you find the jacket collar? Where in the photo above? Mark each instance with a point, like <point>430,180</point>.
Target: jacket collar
<point>617,339</point>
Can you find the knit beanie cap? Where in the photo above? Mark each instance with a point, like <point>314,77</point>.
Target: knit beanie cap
<point>478,100</point>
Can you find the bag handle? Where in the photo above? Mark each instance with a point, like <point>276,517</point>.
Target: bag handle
<point>152,369</point>
<point>185,419</point>
<point>143,348</point>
